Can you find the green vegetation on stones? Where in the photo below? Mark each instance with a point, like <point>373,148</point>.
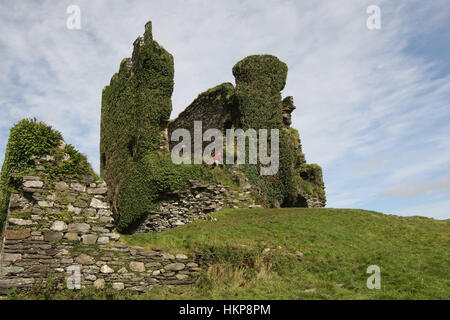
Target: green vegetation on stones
<point>311,180</point>
<point>30,140</point>
<point>135,110</point>
<point>148,181</point>
<point>259,80</point>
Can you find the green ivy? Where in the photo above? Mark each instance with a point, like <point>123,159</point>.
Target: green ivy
<point>135,109</point>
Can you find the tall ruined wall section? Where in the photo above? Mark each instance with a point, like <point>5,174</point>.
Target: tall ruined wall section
<point>136,106</point>
<point>214,108</point>
<point>259,82</point>
<point>256,103</point>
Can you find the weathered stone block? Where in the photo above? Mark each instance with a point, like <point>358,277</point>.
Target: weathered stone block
<point>118,285</point>
<point>16,283</point>
<point>45,204</point>
<point>18,234</point>
<point>38,268</point>
<point>98,204</point>
<point>72,236</point>
<point>73,209</point>
<point>58,226</point>
<point>80,204</point>
<point>62,186</point>
<point>17,201</point>
<point>78,187</point>
<point>99,283</point>
<point>174,267</point>
<point>182,276</point>
<point>85,259</point>
<point>192,265</point>
<point>20,222</point>
<point>90,277</point>
<point>52,236</point>
<point>153,265</point>
<point>106,269</point>
<point>104,212</point>
<point>100,191</point>
<point>104,219</point>
<point>10,270</point>
<point>137,266</point>
<point>78,227</point>
<point>122,270</point>
<point>89,239</point>
<point>33,184</point>
<point>11,257</point>
<point>90,211</point>
<point>103,240</point>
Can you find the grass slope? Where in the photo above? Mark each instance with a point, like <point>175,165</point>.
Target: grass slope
<point>337,247</point>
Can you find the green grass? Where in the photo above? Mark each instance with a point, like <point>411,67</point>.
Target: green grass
<point>337,247</point>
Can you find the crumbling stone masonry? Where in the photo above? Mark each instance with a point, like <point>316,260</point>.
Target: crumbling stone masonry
<point>195,202</point>
<point>55,229</point>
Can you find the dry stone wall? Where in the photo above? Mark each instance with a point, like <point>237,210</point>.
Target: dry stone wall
<point>313,202</point>
<point>64,230</point>
<point>195,202</point>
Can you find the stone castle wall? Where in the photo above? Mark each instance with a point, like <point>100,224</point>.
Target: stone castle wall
<point>56,229</point>
<point>214,108</point>
<point>182,207</point>
<point>196,202</point>
<point>313,202</point>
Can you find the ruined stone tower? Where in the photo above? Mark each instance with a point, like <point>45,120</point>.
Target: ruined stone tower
<point>135,132</point>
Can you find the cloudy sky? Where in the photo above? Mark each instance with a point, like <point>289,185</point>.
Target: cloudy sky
<point>373,106</point>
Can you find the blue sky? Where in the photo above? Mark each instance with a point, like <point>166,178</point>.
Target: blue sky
<point>373,106</point>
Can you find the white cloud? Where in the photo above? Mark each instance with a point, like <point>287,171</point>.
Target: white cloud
<point>437,210</point>
<point>410,189</point>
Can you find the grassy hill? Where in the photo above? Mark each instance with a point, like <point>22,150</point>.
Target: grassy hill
<point>314,254</point>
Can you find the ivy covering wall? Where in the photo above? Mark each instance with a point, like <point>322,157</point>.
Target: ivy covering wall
<point>259,81</point>
<point>135,161</point>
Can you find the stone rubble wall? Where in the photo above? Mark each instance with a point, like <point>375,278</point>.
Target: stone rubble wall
<point>196,202</point>
<point>56,228</point>
<point>313,202</point>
